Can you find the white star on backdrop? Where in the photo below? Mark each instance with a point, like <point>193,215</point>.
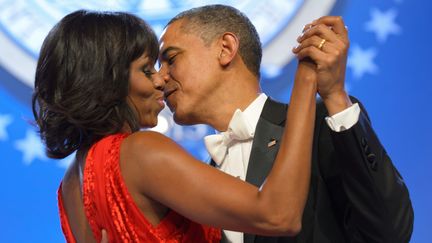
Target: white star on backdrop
<point>383,24</point>
<point>31,147</point>
<point>361,61</point>
<point>5,120</point>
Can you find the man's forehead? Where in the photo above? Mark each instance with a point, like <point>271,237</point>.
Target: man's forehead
<point>176,37</point>
<point>174,28</point>
<point>169,36</point>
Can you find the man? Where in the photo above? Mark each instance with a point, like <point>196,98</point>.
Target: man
<point>210,59</point>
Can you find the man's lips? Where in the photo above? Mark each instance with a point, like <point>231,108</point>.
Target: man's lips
<point>168,93</point>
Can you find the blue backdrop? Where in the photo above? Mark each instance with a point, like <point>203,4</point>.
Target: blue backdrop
<point>388,68</point>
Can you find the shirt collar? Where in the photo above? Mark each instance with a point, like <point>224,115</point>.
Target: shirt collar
<point>253,111</point>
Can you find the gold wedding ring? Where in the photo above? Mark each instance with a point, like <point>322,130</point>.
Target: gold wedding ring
<point>321,44</point>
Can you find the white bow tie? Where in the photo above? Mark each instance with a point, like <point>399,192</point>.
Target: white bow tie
<point>238,130</point>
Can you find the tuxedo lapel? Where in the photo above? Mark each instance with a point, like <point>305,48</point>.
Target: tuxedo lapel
<point>262,154</point>
<point>265,146</point>
<point>266,141</point>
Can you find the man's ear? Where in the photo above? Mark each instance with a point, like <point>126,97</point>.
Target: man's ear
<point>229,44</point>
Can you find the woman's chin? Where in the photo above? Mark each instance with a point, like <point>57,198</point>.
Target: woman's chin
<point>149,124</point>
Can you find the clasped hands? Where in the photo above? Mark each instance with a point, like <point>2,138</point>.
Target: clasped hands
<point>325,43</point>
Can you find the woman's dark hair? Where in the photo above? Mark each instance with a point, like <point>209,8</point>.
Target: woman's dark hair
<point>82,78</point>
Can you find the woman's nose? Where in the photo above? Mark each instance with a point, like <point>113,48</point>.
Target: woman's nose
<point>158,81</point>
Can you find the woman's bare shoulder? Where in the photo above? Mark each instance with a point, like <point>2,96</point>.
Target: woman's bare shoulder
<point>149,146</point>
<point>148,139</point>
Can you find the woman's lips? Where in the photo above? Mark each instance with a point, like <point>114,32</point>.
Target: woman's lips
<point>161,101</point>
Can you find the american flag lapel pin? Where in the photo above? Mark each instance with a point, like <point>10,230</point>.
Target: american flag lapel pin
<point>271,143</point>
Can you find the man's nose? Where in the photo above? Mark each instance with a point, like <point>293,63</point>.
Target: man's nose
<point>164,73</point>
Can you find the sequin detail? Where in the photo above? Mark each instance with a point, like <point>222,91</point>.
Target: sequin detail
<point>108,205</point>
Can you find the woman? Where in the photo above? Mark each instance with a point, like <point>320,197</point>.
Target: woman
<point>95,87</point>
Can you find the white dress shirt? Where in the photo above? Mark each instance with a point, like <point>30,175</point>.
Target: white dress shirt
<point>236,161</point>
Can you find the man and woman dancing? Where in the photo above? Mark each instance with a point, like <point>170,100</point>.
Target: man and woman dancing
<point>310,171</point>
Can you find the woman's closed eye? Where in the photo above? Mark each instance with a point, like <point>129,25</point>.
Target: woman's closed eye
<point>149,71</point>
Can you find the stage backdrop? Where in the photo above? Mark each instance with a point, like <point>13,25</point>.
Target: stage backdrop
<point>388,69</point>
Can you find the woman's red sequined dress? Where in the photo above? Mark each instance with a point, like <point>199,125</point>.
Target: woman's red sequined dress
<point>108,205</point>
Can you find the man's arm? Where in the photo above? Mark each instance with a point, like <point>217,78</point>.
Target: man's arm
<point>370,196</point>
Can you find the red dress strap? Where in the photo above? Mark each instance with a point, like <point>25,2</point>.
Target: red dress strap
<point>63,218</point>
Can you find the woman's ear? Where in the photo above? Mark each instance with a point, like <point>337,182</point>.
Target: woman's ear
<point>229,44</point>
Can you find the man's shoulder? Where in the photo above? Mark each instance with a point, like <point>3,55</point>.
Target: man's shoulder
<point>274,111</point>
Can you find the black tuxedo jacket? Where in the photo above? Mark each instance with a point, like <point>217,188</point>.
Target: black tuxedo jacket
<point>356,194</point>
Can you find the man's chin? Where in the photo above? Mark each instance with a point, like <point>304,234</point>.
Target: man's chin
<point>171,107</point>
<point>182,119</point>
<point>178,119</point>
